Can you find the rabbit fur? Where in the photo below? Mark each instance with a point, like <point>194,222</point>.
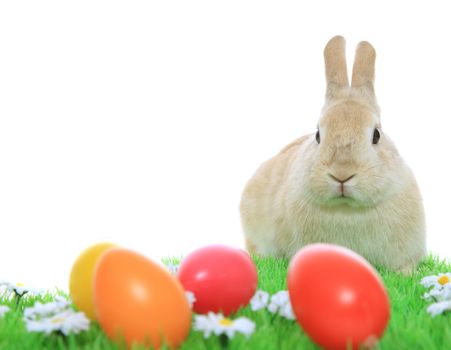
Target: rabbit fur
<point>344,190</point>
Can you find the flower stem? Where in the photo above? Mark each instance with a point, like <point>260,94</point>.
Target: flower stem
<point>224,341</point>
<point>18,297</point>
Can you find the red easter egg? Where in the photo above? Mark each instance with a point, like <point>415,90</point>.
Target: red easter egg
<point>338,298</point>
<point>222,278</point>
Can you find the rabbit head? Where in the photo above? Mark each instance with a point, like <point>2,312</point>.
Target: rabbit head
<point>354,163</point>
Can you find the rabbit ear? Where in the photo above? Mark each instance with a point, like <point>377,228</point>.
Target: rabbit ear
<point>335,61</point>
<point>363,69</point>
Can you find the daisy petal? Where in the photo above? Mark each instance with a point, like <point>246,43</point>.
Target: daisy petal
<point>280,303</point>
<point>259,300</point>
<point>3,310</point>
<point>191,298</point>
<point>287,311</point>
<point>39,310</point>
<point>173,268</point>
<point>205,324</point>
<point>428,281</point>
<point>75,322</point>
<point>244,325</point>
<point>438,294</point>
<point>438,308</point>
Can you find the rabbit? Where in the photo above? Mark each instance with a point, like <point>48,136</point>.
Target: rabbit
<point>346,184</point>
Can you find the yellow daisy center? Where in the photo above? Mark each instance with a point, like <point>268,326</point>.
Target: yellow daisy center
<point>19,284</point>
<point>58,320</point>
<point>443,280</point>
<point>226,322</point>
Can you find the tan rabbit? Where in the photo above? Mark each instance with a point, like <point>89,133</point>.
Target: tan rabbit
<point>345,185</point>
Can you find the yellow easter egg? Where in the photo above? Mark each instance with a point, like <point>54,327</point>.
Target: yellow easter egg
<point>82,275</point>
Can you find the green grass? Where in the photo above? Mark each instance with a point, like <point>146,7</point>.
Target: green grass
<point>410,326</point>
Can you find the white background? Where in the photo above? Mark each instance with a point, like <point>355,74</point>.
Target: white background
<point>140,123</point>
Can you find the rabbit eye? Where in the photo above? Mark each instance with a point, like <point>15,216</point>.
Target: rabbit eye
<point>376,136</point>
<point>317,137</point>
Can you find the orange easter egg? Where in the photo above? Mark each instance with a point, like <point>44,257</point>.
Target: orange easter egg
<point>139,301</point>
<point>81,277</point>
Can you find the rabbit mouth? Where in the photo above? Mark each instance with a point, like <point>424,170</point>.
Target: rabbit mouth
<point>343,201</point>
<point>344,193</point>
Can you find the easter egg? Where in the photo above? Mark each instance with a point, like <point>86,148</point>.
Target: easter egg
<point>338,298</point>
<point>81,277</point>
<point>138,301</point>
<point>222,278</point>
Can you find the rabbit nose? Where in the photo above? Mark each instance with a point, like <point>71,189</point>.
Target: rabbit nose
<point>341,181</point>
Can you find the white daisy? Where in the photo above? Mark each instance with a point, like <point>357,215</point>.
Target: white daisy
<point>55,316</point>
<point>21,289</point>
<point>218,324</point>
<point>39,310</point>
<point>191,298</point>
<point>438,308</point>
<point>3,310</point>
<point>259,300</point>
<point>439,294</point>
<point>67,321</point>
<point>280,304</point>
<point>436,281</point>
